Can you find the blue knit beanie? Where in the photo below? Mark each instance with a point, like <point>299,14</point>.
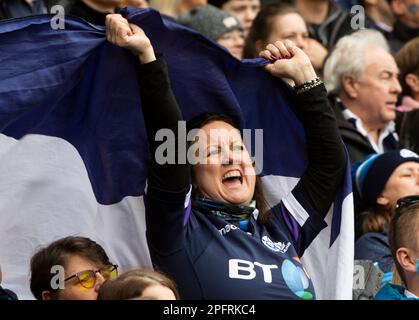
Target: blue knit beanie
<point>369,176</point>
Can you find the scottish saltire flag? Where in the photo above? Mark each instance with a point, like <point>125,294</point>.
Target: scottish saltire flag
<point>73,150</point>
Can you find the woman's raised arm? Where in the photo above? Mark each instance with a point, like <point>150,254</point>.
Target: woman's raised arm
<point>159,106</point>
<point>326,154</point>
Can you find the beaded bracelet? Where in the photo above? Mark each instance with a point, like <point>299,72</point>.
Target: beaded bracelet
<point>308,85</point>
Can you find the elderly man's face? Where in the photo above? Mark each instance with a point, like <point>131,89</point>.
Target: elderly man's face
<point>377,89</point>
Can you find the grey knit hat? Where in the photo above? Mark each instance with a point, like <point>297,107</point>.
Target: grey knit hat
<point>210,21</point>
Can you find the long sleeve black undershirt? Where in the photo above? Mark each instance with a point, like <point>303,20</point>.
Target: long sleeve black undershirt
<point>326,154</point>
<point>161,111</point>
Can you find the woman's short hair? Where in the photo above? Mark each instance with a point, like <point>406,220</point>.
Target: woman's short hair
<point>403,232</point>
<point>132,284</point>
<point>407,60</point>
<point>262,26</point>
<point>58,254</point>
<point>348,56</point>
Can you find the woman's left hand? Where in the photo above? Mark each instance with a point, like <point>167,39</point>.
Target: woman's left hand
<point>289,61</point>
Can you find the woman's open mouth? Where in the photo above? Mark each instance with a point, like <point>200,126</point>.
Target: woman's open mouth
<point>232,179</point>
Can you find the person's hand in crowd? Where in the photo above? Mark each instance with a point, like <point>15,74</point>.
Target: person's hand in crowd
<point>129,36</point>
<point>289,61</point>
<point>316,52</point>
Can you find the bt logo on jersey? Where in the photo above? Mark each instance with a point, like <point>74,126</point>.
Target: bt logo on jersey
<point>243,269</point>
<point>293,274</point>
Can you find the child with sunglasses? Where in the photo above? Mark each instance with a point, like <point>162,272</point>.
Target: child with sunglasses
<point>404,244</point>
<point>71,268</point>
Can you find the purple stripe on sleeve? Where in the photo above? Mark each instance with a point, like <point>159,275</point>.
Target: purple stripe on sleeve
<point>290,222</point>
<point>187,213</point>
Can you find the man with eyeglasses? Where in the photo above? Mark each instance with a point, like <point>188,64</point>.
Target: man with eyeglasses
<point>407,23</point>
<point>71,268</point>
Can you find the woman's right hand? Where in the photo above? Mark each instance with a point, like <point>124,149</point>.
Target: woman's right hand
<point>129,36</point>
<point>289,61</point>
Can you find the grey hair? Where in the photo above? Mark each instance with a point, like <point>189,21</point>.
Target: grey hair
<point>347,57</point>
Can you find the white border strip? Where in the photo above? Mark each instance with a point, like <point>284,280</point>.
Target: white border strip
<point>296,209</point>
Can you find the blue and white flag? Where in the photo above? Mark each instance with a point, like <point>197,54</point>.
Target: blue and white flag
<point>74,154</point>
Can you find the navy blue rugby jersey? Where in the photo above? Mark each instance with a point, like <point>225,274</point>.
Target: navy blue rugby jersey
<point>209,258</point>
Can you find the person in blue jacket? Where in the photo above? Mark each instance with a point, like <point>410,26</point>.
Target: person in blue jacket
<point>378,182</point>
<point>404,244</point>
<point>208,225</point>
